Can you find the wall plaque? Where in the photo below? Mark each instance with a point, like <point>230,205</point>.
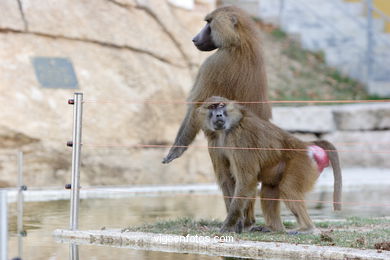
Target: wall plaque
<point>55,72</point>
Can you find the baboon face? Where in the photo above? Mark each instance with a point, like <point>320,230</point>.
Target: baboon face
<point>218,114</point>
<point>219,31</point>
<point>203,40</point>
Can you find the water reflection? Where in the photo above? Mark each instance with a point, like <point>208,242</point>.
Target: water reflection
<point>74,255</point>
<point>41,218</point>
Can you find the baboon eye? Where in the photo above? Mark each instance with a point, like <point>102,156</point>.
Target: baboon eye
<point>215,106</point>
<point>212,106</point>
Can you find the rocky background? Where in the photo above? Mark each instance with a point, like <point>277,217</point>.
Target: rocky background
<point>124,52</point>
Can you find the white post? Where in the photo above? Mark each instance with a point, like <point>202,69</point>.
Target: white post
<point>76,144</point>
<point>21,188</point>
<point>3,226</point>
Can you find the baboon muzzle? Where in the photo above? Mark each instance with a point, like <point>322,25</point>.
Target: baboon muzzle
<point>219,124</point>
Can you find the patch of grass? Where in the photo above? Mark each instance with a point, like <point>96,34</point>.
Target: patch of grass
<point>278,34</point>
<point>353,232</point>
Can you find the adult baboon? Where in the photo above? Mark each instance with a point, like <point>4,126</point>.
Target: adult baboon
<point>235,70</point>
<point>286,166</point>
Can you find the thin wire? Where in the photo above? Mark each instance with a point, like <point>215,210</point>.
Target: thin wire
<point>236,102</point>
<point>225,147</point>
<point>265,199</point>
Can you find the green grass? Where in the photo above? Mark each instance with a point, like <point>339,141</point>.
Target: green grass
<point>353,232</point>
<point>279,34</point>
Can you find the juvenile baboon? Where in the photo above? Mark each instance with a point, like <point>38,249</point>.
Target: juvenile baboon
<point>235,70</point>
<point>286,166</point>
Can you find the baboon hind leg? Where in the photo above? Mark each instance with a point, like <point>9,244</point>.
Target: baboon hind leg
<point>294,200</point>
<point>270,206</point>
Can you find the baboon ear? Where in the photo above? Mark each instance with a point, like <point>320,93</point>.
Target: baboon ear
<point>234,20</point>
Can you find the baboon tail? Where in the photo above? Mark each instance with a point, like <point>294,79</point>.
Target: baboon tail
<point>334,160</point>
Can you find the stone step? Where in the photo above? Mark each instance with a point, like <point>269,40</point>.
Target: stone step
<point>309,119</point>
<point>362,149</point>
<point>324,119</point>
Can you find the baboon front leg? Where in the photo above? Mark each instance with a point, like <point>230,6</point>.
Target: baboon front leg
<point>243,193</point>
<point>227,184</point>
<point>249,214</point>
<point>270,206</point>
<point>223,175</point>
<point>227,187</point>
<point>187,133</point>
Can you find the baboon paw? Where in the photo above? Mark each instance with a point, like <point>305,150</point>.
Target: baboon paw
<point>169,158</point>
<point>173,154</point>
<point>237,228</point>
<point>227,229</point>
<point>293,232</point>
<point>248,224</point>
<point>248,228</point>
<point>300,232</point>
<point>260,229</point>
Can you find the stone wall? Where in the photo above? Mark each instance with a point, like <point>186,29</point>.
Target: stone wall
<point>122,51</point>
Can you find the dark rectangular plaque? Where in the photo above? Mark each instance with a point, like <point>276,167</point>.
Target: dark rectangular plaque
<point>55,72</point>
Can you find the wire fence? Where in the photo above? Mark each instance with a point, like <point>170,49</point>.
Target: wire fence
<point>176,102</point>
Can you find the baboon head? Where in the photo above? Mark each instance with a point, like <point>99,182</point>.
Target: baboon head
<point>218,113</point>
<point>221,30</point>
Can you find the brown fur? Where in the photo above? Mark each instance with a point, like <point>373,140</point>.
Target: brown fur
<point>284,174</point>
<point>335,162</point>
<point>236,71</point>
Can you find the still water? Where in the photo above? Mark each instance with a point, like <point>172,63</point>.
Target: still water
<point>41,218</point>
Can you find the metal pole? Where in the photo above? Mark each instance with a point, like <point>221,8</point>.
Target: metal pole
<point>370,40</point>
<point>22,188</point>
<point>76,144</point>
<point>3,226</point>
<point>74,252</point>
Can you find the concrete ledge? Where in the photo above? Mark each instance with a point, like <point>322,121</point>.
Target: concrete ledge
<point>113,192</point>
<point>363,117</point>
<point>149,241</point>
<point>326,119</point>
<point>308,119</point>
<point>352,182</point>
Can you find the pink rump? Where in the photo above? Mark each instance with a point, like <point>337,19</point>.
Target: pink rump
<point>320,156</point>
